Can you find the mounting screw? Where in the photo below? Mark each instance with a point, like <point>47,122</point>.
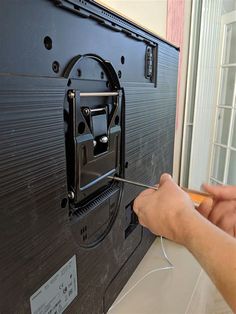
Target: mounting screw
<point>103,139</point>
<point>71,94</point>
<point>71,195</point>
<point>86,111</point>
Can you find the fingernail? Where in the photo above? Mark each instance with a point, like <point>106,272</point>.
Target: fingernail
<point>166,176</point>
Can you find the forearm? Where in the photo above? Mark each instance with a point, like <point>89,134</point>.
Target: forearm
<point>170,212</point>
<point>216,252</point>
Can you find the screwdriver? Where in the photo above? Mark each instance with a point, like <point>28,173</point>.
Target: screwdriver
<point>133,182</point>
<point>196,196</point>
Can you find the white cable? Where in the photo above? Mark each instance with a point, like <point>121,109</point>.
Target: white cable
<point>171,266</point>
<point>164,253</point>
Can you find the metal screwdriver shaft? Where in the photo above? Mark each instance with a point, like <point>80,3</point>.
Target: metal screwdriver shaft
<point>196,196</point>
<point>133,182</point>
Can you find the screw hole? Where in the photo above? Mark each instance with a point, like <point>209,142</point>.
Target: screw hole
<point>69,82</point>
<point>119,74</point>
<point>81,127</point>
<point>64,203</point>
<point>126,164</point>
<point>79,72</point>
<point>122,60</point>
<point>55,66</point>
<point>117,120</point>
<point>102,75</point>
<point>47,42</point>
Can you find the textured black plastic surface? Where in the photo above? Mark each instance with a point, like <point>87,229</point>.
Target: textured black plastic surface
<point>41,229</point>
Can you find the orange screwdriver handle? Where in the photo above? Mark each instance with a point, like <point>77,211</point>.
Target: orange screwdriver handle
<point>196,196</point>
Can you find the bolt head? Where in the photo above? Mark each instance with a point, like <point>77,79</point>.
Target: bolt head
<point>71,195</point>
<point>86,111</point>
<point>71,94</point>
<point>103,139</point>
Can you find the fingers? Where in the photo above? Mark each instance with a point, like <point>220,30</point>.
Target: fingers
<point>148,192</point>
<point>227,223</point>
<point>142,200</point>
<point>205,207</point>
<point>137,207</point>
<point>164,178</point>
<point>142,204</point>
<point>140,218</point>
<point>220,191</point>
<point>223,215</point>
<point>224,225</point>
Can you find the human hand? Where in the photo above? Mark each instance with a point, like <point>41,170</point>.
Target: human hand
<point>165,211</point>
<point>221,208</point>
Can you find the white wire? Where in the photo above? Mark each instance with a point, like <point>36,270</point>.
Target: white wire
<point>165,255</point>
<point>171,266</point>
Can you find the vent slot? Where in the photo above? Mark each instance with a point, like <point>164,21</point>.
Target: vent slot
<point>83,210</point>
<point>131,219</point>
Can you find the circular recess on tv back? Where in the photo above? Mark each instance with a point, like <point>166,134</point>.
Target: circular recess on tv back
<point>91,222</point>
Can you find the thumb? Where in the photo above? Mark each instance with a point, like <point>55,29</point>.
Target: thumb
<point>221,191</point>
<point>164,178</point>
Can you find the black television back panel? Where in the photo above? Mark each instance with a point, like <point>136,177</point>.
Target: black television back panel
<point>84,94</point>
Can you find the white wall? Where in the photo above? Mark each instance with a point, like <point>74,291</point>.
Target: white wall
<point>150,14</point>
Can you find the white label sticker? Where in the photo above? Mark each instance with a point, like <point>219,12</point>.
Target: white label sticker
<point>58,292</point>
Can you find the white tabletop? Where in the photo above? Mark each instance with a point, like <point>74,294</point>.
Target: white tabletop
<point>154,288</point>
